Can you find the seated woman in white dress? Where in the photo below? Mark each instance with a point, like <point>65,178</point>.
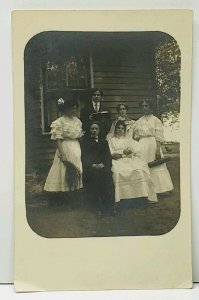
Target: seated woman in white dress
<point>122,110</point>
<point>148,130</point>
<point>131,174</point>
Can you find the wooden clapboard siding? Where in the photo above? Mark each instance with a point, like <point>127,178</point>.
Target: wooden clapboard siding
<point>125,77</point>
<point>127,98</point>
<point>132,115</point>
<point>130,104</point>
<point>124,69</point>
<point>123,80</point>
<point>103,67</point>
<point>33,135</point>
<point>113,75</point>
<point>128,92</point>
<point>127,86</point>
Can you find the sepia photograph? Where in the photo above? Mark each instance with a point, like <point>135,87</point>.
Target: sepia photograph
<point>102,133</point>
<point>102,106</point>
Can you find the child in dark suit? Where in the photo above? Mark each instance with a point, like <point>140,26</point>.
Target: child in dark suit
<point>97,163</point>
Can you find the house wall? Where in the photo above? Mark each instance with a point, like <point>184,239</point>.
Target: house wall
<point>124,73</point>
<point>125,76</point>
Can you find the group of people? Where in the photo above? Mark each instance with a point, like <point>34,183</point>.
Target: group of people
<point>108,159</point>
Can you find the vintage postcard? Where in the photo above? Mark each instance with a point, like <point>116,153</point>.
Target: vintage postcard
<point>102,103</point>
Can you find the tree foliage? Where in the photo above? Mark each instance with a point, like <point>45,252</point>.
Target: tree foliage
<point>168,64</point>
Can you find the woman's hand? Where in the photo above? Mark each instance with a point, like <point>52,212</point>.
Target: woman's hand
<point>135,137</point>
<point>61,151</point>
<point>62,157</point>
<point>158,154</point>
<point>127,151</point>
<point>116,156</point>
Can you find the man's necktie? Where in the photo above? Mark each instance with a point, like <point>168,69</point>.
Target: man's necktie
<point>95,139</point>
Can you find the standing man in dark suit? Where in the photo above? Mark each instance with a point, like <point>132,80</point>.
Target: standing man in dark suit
<point>97,175</point>
<point>94,110</point>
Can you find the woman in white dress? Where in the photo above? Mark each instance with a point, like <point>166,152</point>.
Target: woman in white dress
<point>148,130</point>
<point>122,110</point>
<point>131,174</point>
<point>66,171</point>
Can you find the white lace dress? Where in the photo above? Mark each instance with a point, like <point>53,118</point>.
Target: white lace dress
<point>129,127</point>
<point>131,174</point>
<point>148,130</point>
<point>68,130</point>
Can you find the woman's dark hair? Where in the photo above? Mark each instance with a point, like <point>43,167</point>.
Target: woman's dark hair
<point>120,122</point>
<point>121,104</point>
<point>94,122</point>
<point>97,90</point>
<point>150,103</point>
<point>69,101</point>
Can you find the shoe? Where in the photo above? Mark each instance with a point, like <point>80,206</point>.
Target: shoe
<point>152,202</point>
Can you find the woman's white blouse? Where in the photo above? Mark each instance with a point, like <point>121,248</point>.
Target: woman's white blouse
<point>118,144</point>
<point>64,127</point>
<point>148,126</point>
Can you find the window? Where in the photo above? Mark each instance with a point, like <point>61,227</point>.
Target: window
<point>73,75</point>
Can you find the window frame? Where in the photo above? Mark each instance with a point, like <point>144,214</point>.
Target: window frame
<point>44,90</point>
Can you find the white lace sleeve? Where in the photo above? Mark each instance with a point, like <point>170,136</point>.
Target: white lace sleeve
<point>111,147</point>
<point>56,130</point>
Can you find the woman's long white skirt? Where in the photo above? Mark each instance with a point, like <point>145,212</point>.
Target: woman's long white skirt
<point>56,181</point>
<point>132,179</point>
<point>159,174</point>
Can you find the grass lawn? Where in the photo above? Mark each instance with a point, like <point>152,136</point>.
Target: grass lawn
<point>76,218</point>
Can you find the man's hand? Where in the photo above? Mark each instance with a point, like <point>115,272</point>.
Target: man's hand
<point>94,166</point>
<point>101,166</point>
<point>91,117</point>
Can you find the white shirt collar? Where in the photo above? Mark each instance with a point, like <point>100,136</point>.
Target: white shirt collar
<point>95,138</point>
<point>94,105</point>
